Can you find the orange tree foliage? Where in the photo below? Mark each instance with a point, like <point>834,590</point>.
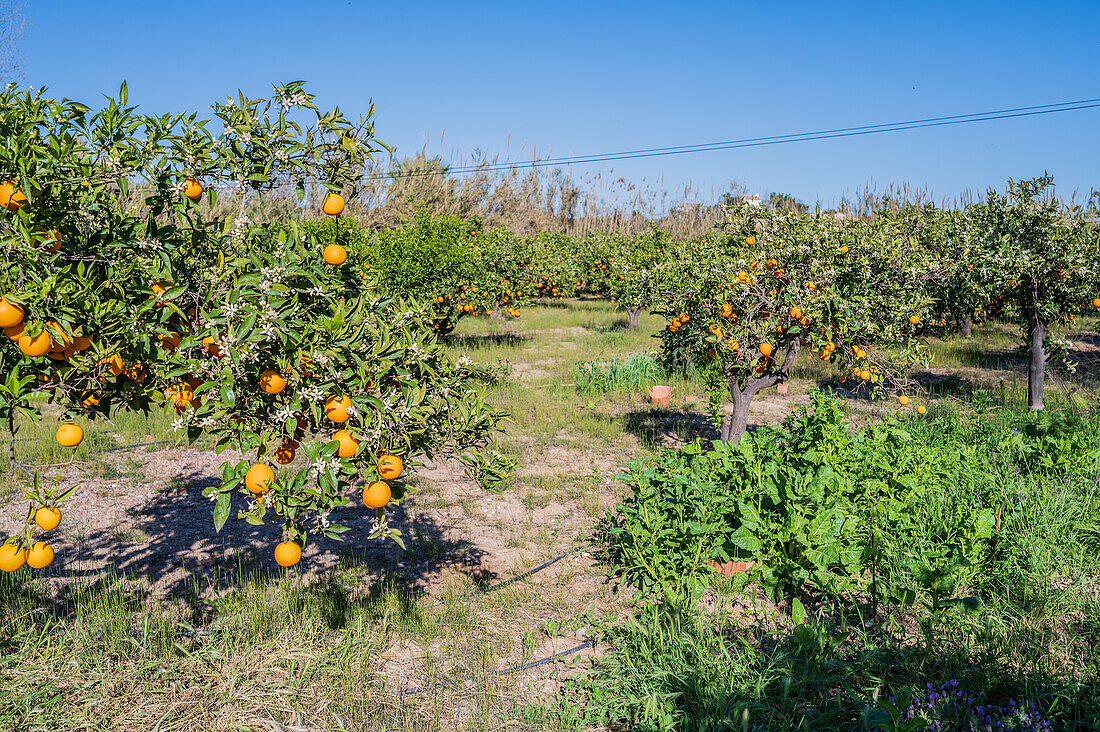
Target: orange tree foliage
<point>245,330</point>
<point>742,304</point>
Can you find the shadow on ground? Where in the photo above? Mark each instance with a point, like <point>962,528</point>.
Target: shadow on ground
<point>475,342</point>
<point>169,544</point>
<point>658,427</point>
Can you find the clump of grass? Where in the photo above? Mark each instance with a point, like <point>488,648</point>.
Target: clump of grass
<point>617,374</point>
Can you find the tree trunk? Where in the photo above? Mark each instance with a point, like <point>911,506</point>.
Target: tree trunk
<point>739,417</point>
<point>1037,366</point>
<point>964,326</point>
<point>632,315</point>
<point>736,423</point>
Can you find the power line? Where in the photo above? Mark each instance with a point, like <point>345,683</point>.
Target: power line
<point>763,141</point>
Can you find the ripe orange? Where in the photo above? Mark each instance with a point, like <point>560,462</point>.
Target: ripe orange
<point>272,382</point>
<point>169,342</point>
<point>348,444</point>
<point>15,331</point>
<point>11,197</point>
<point>284,454</point>
<point>258,479</point>
<point>844,249</point>
<point>137,372</point>
<point>865,374</point>
<point>750,240</point>
<point>11,314</point>
<point>335,254</point>
<point>336,409</point>
<point>47,517</point>
<point>90,398</point>
<point>810,285</point>
<point>766,349</point>
<point>40,555</point>
<point>914,319</point>
<point>210,345</point>
<point>69,435</point>
<point>333,204</point>
<point>390,467</point>
<point>377,494</point>
<point>38,345</point>
<point>922,409</point>
<point>288,553</point>
<point>12,557</point>
<point>1096,303</point>
<point>903,400</point>
<point>116,365</point>
<point>796,312</point>
<point>192,189</point>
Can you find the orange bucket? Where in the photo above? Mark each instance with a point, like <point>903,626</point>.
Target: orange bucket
<point>658,395</point>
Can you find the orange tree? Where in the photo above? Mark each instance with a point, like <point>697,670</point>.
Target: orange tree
<point>632,266</point>
<point>108,307</point>
<point>742,304</point>
<point>963,294</point>
<point>1042,261</point>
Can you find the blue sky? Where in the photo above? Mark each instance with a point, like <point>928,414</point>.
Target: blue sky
<point>591,77</point>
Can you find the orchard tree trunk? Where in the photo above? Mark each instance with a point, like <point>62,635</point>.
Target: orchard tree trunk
<point>632,315</point>
<point>736,423</point>
<point>1037,366</point>
<point>964,325</point>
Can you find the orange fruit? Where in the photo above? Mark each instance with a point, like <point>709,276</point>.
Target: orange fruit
<point>284,454</point>
<point>272,382</point>
<point>332,204</point>
<point>348,444</point>
<point>181,397</point>
<point>914,319</point>
<point>47,517</point>
<point>11,197</point>
<point>844,249</point>
<point>903,400</point>
<point>766,349</point>
<point>115,364</point>
<point>15,331</point>
<point>12,557</point>
<point>137,372</point>
<point>377,494</point>
<point>335,254</point>
<point>169,342</point>
<point>336,409</point>
<point>38,345</point>
<point>1096,303</point>
<point>90,398</point>
<point>288,553</point>
<point>69,435</point>
<point>211,347</point>
<point>922,409</point>
<point>82,343</point>
<point>810,285</point>
<point>750,240</point>
<point>865,374</point>
<point>11,314</point>
<point>796,312</point>
<point>192,189</point>
<point>258,478</point>
<point>40,555</point>
<point>390,467</point>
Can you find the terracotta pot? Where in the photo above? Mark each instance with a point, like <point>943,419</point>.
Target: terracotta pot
<point>781,388</point>
<point>659,395</point>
